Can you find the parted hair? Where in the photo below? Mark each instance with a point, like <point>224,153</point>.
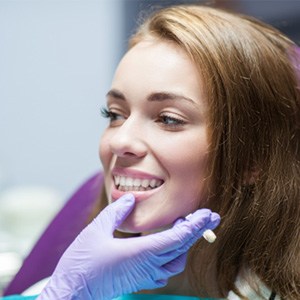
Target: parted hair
<point>252,91</point>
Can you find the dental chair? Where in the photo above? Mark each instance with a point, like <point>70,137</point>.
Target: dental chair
<point>66,225</point>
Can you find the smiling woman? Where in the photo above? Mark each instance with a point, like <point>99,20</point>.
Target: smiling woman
<point>203,115</point>
<point>207,102</point>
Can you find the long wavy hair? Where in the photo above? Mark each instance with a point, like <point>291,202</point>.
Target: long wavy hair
<point>248,70</point>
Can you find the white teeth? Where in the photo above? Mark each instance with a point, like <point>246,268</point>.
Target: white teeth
<point>117,180</point>
<point>145,182</point>
<point>129,181</point>
<point>122,180</point>
<point>136,184</point>
<point>152,183</point>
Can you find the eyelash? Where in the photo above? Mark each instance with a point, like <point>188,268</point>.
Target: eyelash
<point>175,122</point>
<point>164,118</point>
<point>108,114</point>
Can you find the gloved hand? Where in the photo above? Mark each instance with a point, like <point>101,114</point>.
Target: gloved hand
<point>98,266</point>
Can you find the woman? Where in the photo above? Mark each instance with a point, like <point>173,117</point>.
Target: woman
<point>204,112</point>
<point>249,128</point>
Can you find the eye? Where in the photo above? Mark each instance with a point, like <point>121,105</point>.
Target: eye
<point>112,116</point>
<point>170,121</point>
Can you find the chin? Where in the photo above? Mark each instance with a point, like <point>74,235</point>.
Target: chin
<point>130,225</point>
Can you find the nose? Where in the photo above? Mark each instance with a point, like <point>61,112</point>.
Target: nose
<point>128,139</point>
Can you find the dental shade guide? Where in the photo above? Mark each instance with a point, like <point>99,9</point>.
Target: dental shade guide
<point>208,234</point>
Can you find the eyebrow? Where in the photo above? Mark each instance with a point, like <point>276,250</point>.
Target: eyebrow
<point>115,94</point>
<point>157,96</point>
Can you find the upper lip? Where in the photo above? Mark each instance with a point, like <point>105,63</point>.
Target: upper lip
<point>133,173</point>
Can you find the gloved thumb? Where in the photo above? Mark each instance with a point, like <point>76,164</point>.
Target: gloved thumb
<point>114,214</point>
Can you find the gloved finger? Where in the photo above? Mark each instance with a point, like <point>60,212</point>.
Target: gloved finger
<point>165,258</point>
<point>212,224</point>
<point>178,221</point>
<point>165,271</point>
<point>192,241</point>
<point>176,265</point>
<point>161,283</point>
<point>156,284</point>
<point>178,235</point>
<point>114,214</point>
<point>214,219</point>
<point>195,218</point>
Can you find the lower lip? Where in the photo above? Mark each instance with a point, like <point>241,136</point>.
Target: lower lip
<point>138,195</point>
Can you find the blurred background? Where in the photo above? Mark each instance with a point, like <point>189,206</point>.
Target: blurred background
<point>57,60</point>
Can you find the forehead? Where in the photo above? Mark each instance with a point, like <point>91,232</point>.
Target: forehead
<point>154,65</point>
<point>153,52</point>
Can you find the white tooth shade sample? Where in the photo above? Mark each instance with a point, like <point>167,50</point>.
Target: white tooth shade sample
<point>209,235</point>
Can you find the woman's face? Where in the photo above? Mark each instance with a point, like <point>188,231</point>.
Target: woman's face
<point>156,144</point>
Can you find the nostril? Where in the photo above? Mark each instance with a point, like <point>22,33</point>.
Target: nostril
<point>124,147</point>
<point>129,154</point>
<point>134,150</point>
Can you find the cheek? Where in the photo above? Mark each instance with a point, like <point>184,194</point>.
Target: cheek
<point>105,158</point>
<point>104,151</point>
<point>188,158</point>
<point>187,168</point>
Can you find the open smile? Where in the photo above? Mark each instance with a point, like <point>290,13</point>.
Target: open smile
<point>126,183</point>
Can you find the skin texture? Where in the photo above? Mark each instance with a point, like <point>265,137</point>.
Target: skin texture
<point>154,134</point>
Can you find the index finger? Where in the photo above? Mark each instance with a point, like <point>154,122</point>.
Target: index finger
<point>180,234</point>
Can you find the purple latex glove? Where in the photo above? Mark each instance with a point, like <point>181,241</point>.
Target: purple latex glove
<point>98,266</point>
